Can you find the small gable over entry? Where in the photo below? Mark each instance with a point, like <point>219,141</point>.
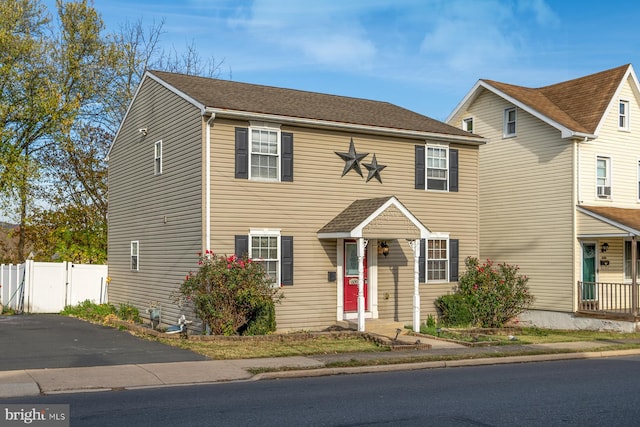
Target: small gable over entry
<point>382,218</point>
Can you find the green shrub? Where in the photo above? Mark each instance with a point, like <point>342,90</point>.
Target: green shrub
<point>431,321</point>
<point>230,295</point>
<point>129,312</point>
<point>454,310</point>
<point>89,310</point>
<point>264,320</point>
<point>494,294</point>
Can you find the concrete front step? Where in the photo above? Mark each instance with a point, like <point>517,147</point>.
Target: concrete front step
<point>391,333</point>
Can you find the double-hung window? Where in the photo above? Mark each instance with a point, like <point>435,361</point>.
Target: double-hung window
<point>510,122</point>
<point>264,247</point>
<point>623,115</point>
<point>157,153</point>
<point>627,260</point>
<point>135,253</point>
<point>437,260</point>
<point>603,177</point>
<point>265,153</point>
<point>437,167</point>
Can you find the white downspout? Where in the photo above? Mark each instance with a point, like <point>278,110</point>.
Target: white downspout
<point>207,184</point>
<point>415,245</point>
<point>362,246</point>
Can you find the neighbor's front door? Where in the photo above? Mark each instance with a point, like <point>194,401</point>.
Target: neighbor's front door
<point>588,271</point>
<point>351,277</point>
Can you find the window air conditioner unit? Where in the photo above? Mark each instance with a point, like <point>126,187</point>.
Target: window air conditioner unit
<point>604,191</point>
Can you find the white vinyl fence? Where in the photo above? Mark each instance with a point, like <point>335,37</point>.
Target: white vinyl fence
<point>47,287</point>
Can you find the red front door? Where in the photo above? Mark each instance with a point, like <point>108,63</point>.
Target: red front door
<point>351,277</point>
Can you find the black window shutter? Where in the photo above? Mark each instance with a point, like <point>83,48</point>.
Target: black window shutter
<point>453,170</point>
<point>242,246</point>
<point>242,153</point>
<point>422,262</point>
<point>286,258</point>
<point>453,260</point>
<point>286,170</point>
<point>420,167</point>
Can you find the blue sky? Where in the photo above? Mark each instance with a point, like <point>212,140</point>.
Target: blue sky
<point>424,55</point>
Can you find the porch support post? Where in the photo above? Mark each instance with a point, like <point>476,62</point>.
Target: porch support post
<point>415,245</point>
<point>362,246</point>
<point>634,273</point>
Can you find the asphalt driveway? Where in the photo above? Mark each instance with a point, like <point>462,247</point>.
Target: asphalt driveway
<point>36,341</point>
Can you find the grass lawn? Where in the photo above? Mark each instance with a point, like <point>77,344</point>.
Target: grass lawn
<point>529,335</point>
<point>243,349</point>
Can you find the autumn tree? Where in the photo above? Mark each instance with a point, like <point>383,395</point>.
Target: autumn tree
<point>47,75</point>
<point>66,85</point>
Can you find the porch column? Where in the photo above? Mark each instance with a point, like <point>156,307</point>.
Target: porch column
<point>362,246</point>
<point>415,245</point>
<point>634,281</point>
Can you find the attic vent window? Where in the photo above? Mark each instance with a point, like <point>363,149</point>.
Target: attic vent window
<point>510,122</point>
<point>623,115</point>
<point>467,124</point>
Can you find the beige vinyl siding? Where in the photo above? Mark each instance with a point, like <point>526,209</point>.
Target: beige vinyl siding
<point>614,272</point>
<point>526,202</point>
<point>319,193</point>
<point>588,225</point>
<point>162,212</point>
<point>622,148</point>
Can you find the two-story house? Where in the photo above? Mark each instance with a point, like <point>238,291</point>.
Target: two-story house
<point>358,209</point>
<point>560,191</point>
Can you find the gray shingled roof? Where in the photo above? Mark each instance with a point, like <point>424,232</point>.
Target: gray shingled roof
<point>251,98</point>
<point>353,215</point>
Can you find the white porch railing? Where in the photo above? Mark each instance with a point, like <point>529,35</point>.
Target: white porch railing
<point>608,299</point>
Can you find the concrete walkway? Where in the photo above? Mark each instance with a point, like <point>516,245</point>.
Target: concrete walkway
<point>31,382</point>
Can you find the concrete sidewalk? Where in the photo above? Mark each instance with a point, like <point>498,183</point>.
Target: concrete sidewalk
<point>31,382</point>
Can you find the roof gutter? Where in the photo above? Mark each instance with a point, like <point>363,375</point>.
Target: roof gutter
<point>235,114</point>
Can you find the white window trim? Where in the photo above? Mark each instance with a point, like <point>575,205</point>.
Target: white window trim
<point>438,236</point>
<point>626,115</point>
<point>426,167</point>
<point>157,159</point>
<point>638,181</point>
<point>136,254</point>
<point>609,181</point>
<point>272,127</point>
<point>268,232</point>
<point>624,262</point>
<point>465,124</point>
<point>505,127</point>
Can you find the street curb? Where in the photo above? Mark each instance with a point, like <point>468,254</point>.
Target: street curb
<point>443,364</point>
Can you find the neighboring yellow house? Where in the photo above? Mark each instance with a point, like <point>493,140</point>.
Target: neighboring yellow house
<point>359,209</point>
<point>560,192</point>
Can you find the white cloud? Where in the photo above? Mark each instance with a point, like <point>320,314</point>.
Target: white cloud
<point>475,37</point>
<point>326,33</point>
<point>542,11</point>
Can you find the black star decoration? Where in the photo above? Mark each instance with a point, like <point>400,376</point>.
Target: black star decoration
<point>374,169</point>
<point>352,159</point>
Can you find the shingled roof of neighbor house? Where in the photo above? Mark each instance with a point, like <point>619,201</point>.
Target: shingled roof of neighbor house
<point>625,216</point>
<point>251,98</point>
<point>577,104</point>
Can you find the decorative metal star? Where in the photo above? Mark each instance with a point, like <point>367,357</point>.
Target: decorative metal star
<point>352,159</point>
<point>374,169</point>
